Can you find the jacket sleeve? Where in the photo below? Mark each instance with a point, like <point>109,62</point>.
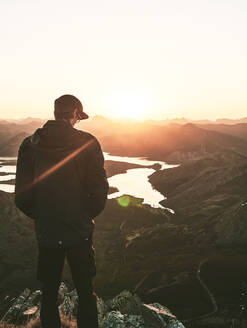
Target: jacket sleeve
<point>95,179</point>
<point>24,190</point>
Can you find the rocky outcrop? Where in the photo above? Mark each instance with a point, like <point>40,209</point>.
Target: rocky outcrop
<point>24,306</point>
<point>124,310</point>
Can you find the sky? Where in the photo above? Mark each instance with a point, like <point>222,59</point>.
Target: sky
<point>142,59</point>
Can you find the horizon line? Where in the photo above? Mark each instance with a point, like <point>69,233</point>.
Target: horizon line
<point>132,119</point>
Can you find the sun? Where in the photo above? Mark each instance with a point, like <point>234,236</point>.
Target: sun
<point>128,103</point>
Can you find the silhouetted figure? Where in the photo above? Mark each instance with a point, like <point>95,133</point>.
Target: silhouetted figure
<point>62,185</point>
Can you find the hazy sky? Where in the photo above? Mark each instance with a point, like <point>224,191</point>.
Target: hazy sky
<point>146,58</point>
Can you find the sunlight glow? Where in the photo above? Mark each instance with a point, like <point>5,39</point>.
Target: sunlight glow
<point>129,103</point>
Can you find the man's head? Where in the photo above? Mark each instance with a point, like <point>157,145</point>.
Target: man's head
<point>68,107</point>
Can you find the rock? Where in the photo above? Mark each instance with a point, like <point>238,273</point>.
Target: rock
<point>33,299</point>
<point>101,310</point>
<point>175,324</point>
<point>134,321</point>
<point>115,319</point>
<point>123,311</point>
<point>17,308</point>
<point>67,307</point>
<point>32,306</point>
<point>158,316</point>
<point>63,290</point>
<point>69,302</point>
<point>25,307</point>
<point>126,303</point>
<point>31,311</point>
<point>73,295</point>
<point>74,299</point>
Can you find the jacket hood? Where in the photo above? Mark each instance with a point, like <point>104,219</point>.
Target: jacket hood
<point>55,136</point>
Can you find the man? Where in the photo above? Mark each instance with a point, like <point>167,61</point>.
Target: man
<point>61,184</point>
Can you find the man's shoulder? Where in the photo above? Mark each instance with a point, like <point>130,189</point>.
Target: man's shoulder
<point>83,137</point>
<point>83,134</point>
<point>26,143</point>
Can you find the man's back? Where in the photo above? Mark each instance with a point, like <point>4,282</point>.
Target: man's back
<point>66,184</point>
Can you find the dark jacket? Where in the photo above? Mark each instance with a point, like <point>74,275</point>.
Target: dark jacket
<point>61,183</point>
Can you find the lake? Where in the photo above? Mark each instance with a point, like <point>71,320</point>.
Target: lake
<point>134,182</point>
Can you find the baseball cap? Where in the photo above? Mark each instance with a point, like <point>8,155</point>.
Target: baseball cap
<point>67,103</point>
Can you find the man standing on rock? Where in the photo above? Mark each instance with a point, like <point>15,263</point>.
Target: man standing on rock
<point>62,185</point>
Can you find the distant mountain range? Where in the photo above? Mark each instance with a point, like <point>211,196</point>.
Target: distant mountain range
<point>140,138</point>
<point>181,120</point>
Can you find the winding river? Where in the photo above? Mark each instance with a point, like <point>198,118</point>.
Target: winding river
<point>134,182</point>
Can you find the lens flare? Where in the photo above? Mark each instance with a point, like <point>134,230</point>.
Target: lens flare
<point>123,201</point>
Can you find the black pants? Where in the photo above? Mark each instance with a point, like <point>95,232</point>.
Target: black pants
<point>49,272</point>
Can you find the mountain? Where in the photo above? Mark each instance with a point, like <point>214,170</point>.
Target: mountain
<point>237,130</point>
<point>231,121</point>
<point>12,134</point>
<point>209,193</point>
<point>10,146</point>
<point>191,141</point>
<point>173,143</point>
<point>26,120</point>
